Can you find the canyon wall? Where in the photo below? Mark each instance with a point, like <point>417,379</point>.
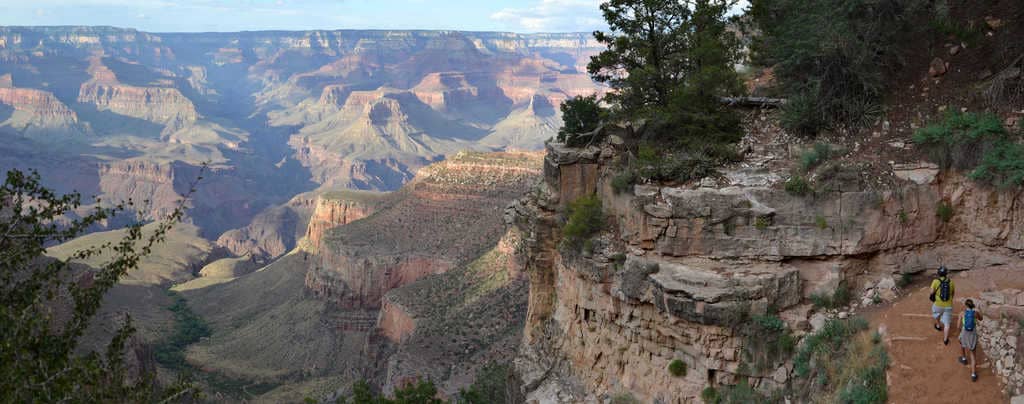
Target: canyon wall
<point>675,263</point>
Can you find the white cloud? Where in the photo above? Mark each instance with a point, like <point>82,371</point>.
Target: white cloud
<point>553,15</point>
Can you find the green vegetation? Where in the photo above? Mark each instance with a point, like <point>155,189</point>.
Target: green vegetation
<point>818,154</point>
<point>586,218</point>
<point>844,362</point>
<point>492,386</point>
<point>767,341</point>
<point>420,392</point>
<point>944,211</point>
<point>978,143</point>
<point>831,82</point>
<point>39,361</point>
<point>762,222</point>
<point>904,280</point>
<point>839,297</point>
<point>740,393</point>
<point>677,368</point>
<point>798,185</point>
<point>188,329</point>
<point>821,222</point>
<point>902,216</point>
<point>623,181</point>
<point>669,63</point>
<point>580,115</point>
<point>624,398</point>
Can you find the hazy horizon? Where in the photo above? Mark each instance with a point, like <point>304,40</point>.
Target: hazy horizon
<point>194,16</point>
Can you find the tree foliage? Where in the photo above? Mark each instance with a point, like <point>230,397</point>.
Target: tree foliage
<point>580,115</point>
<point>46,304</point>
<point>831,57</point>
<point>420,392</point>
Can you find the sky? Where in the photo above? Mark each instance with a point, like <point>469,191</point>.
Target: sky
<point>250,15</point>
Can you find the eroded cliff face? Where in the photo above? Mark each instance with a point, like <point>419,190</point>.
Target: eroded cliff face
<point>450,214</point>
<point>599,324</point>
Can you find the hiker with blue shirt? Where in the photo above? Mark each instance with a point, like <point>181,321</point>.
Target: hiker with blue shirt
<point>969,336</point>
<point>942,306</point>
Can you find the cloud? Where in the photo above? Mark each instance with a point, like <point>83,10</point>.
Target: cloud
<point>552,15</point>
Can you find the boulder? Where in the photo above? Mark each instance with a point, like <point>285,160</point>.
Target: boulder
<point>937,68</point>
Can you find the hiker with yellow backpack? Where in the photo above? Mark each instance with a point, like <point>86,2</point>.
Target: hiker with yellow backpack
<point>942,306</point>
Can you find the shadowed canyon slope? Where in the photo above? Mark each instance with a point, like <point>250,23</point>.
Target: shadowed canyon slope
<point>122,114</point>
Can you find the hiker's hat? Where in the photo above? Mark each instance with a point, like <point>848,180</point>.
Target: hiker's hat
<point>943,271</point>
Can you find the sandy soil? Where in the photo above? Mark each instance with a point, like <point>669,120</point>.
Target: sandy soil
<point>923,370</point>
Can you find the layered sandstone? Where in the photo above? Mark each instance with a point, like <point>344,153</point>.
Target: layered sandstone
<point>41,108</point>
<point>598,326</point>
<point>163,105</point>
<point>458,202</point>
<point>339,208</point>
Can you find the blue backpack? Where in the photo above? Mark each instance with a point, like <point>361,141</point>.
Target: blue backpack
<point>969,320</point>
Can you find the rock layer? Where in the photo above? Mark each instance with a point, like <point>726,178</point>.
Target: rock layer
<point>694,255</point>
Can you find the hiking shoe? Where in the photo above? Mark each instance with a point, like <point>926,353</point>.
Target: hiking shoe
<point>974,377</point>
<point>937,327</point>
<point>963,360</point>
<point>945,341</point>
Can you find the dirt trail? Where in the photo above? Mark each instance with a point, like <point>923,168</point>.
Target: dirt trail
<point>923,370</point>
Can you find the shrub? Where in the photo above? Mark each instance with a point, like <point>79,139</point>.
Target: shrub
<point>815,156</point>
<point>944,212</point>
<point>902,216</point>
<point>821,222</point>
<point>586,218</point>
<point>798,185</point>
<point>677,368</point>
<point>580,115</point>
<point>831,83</point>
<point>829,342</point>
<point>189,328</point>
<point>839,297</point>
<point>623,182</point>
<point>961,139</point>
<point>709,395</point>
<point>767,341</point>
<point>624,398</point>
<point>682,164</point>
<point>904,280</point>
<point>495,383</point>
<point>762,223</point>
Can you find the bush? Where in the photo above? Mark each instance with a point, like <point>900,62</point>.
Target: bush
<point>831,83</point>
<point>189,328</point>
<point>831,341</point>
<point>839,297</point>
<point>580,115</point>
<point>821,222</point>
<point>623,181</point>
<point>682,164</point>
<point>798,185</point>
<point>978,143</point>
<point>494,384</point>
<point>586,218</point>
<point>624,398</point>
<point>904,280</point>
<point>677,368</point>
<point>767,341</point>
<point>815,156</point>
<point>944,212</point>
<point>762,223</point>
<point>709,395</point>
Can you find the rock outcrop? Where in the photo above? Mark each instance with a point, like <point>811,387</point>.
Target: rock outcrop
<point>339,208</point>
<point>675,263</point>
<point>458,202</point>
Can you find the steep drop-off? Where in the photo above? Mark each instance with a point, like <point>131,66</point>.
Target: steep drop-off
<point>599,325</point>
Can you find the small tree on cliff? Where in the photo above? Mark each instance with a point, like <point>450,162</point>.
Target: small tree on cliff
<point>46,304</point>
<point>669,62</point>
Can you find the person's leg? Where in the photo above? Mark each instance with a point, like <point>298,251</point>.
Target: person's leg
<point>946,314</point>
<point>963,354</point>
<point>974,367</point>
<point>937,314</point>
